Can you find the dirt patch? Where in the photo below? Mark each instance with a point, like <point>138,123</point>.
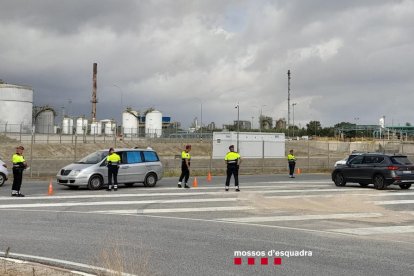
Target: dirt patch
<point>324,205</point>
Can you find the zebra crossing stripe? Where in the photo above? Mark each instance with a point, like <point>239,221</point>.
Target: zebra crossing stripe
<point>102,203</point>
<point>120,195</point>
<point>393,202</point>
<point>375,230</point>
<point>177,210</point>
<point>339,195</point>
<point>303,217</point>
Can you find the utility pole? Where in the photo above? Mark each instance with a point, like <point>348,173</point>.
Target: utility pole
<point>288,122</point>
<point>293,109</point>
<point>201,123</point>
<point>238,125</point>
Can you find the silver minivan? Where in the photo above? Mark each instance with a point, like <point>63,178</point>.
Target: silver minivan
<point>137,166</point>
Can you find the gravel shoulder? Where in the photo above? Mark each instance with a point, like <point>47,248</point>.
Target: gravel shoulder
<point>14,267</point>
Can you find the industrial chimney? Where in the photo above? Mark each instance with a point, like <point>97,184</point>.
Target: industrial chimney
<point>94,100</point>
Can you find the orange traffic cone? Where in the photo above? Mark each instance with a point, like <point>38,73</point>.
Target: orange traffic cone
<point>50,191</point>
<point>195,183</point>
<point>298,171</point>
<point>209,177</point>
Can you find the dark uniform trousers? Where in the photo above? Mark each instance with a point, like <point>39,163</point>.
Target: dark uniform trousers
<point>17,178</point>
<point>113,172</point>
<point>291,167</point>
<point>232,169</point>
<point>185,173</point>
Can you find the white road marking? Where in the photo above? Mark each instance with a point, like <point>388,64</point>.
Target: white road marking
<point>230,197</point>
<point>408,212</point>
<point>119,195</point>
<point>303,217</point>
<point>112,195</point>
<point>347,194</point>
<point>393,202</point>
<point>375,230</point>
<point>176,210</point>
<point>327,232</point>
<point>101,203</point>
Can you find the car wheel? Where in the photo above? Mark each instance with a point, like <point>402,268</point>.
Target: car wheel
<point>2,179</point>
<point>363,184</point>
<point>405,186</point>
<point>95,182</point>
<point>379,182</point>
<point>150,180</point>
<point>129,184</point>
<point>339,180</point>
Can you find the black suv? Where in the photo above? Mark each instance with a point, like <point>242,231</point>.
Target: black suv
<point>379,169</point>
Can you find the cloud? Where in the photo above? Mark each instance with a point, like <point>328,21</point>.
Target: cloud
<point>346,57</point>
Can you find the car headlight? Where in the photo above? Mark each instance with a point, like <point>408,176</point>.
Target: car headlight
<point>74,172</point>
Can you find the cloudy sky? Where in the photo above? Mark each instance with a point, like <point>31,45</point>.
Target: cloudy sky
<point>350,60</point>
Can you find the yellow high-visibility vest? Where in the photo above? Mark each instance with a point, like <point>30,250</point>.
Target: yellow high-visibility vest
<point>17,158</point>
<point>232,157</point>
<point>185,155</point>
<point>291,158</point>
<point>113,158</point>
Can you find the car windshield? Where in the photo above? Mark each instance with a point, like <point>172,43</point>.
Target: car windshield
<point>401,160</point>
<point>93,158</point>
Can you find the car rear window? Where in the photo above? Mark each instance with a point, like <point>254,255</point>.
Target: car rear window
<point>150,156</point>
<point>133,157</point>
<point>373,159</point>
<point>400,160</point>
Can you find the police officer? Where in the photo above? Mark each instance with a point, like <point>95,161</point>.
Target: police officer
<point>185,167</point>
<point>292,162</point>
<point>19,165</point>
<point>113,160</point>
<point>233,161</point>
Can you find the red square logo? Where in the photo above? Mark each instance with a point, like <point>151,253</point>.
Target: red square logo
<point>250,261</point>
<point>264,261</point>
<point>278,261</point>
<point>237,261</point>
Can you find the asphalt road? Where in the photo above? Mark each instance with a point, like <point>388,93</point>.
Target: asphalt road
<point>207,231</point>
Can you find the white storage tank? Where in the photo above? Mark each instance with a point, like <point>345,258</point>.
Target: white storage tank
<point>109,126</point>
<point>16,104</point>
<point>67,125</point>
<point>96,128</point>
<point>44,120</point>
<point>81,125</point>
<point>153,124</point>
<point>130,123</point>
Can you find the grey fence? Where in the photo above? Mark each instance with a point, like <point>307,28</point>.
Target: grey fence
<point>46,157</point>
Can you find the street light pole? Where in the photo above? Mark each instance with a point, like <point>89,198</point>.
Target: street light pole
<point>201,123</point>
<point>288,122</point>
<point>293,109</point>
<point>238,124</point>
